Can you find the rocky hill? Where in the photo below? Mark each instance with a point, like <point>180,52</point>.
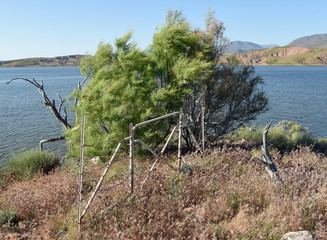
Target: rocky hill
<point>71,60</point>
<point>313,41</point>
<point>283,56</point>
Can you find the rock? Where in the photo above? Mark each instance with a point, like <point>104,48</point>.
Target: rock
<point>95,160</point>
<point>301,235</point>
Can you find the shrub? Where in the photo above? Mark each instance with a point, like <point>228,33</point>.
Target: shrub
<point>284,136</point>
<point>25,165</point>
<point>7,217</point>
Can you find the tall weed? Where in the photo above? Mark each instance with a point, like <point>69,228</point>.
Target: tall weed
<point>25,165</point>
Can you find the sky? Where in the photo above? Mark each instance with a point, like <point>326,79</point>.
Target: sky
<point>44,28</point>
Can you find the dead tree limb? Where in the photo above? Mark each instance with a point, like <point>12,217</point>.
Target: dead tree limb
<point>79,88</point>
<point>49,140</point>
<point>63,119</point>
<point>266,158</point>
<point>46,101</point>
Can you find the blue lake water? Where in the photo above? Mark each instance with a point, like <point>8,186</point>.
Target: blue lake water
<point>295,93</point>
<point>298,94</point>
<point>24,120</point>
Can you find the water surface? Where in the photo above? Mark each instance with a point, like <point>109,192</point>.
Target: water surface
<point>24,119</point>
<point>295,93</point>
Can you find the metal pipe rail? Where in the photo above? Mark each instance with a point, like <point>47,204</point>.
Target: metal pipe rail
<point>102,177</point>
<point>154,120</point>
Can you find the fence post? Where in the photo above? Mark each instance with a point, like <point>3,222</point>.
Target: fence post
<point>202,126</point>
<point>180,139</point>
<point>131,155</point>
<point>81,173</point>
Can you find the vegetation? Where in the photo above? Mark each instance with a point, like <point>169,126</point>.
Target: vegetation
<point>181,69</point>
<point>284,136</point>
<point>225,195</point>
<point>25,165</point>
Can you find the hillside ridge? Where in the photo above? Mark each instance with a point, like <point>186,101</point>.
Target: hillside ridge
<point>283,56</point>
<point>68,60</point>
<point>312,41</point>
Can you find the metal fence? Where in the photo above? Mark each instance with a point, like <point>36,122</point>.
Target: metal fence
<point>132,141</point>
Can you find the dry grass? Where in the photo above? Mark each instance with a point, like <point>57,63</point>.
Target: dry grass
<point>226,195</point>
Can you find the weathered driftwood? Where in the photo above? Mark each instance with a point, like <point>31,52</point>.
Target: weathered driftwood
<point>266,157</point>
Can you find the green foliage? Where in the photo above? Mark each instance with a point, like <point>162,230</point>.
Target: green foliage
<point>130,85</point>
<point>284,136</point>
<point>25,165</point>
<point>179,70</point>
<point>7,217</point>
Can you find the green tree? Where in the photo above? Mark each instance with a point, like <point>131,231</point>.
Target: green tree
<point>122,81</point>
<point>180,69</point>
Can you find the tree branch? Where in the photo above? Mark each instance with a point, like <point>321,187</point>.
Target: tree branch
<point>47,102</point>
<point>49,140</point>
<point>266,158</point>
<point>61,102</point>
<point>79,88</point>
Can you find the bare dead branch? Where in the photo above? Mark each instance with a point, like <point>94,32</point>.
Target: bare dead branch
<point>266,158</point>
<point>61,102</point>
<point>47,102</point>
<point>49,140</point>
<point>79,88</point>
<point>81,84</point>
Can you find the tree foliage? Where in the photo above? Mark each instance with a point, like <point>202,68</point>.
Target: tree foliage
<point>180,69</point>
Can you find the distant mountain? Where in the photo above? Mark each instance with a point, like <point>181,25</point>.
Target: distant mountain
<point>313,41</point>
<point>71,60</point>
<point>282,56</point>
<point>269,46</point>
<point>242,47</point>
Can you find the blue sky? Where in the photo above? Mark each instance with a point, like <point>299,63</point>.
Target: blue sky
<point>44,28</point>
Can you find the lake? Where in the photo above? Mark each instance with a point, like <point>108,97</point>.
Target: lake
<point>24,120</point>
<point>298,94</point>
<point>295,93</point>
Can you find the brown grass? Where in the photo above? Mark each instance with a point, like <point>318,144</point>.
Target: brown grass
<point>226,195</point>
